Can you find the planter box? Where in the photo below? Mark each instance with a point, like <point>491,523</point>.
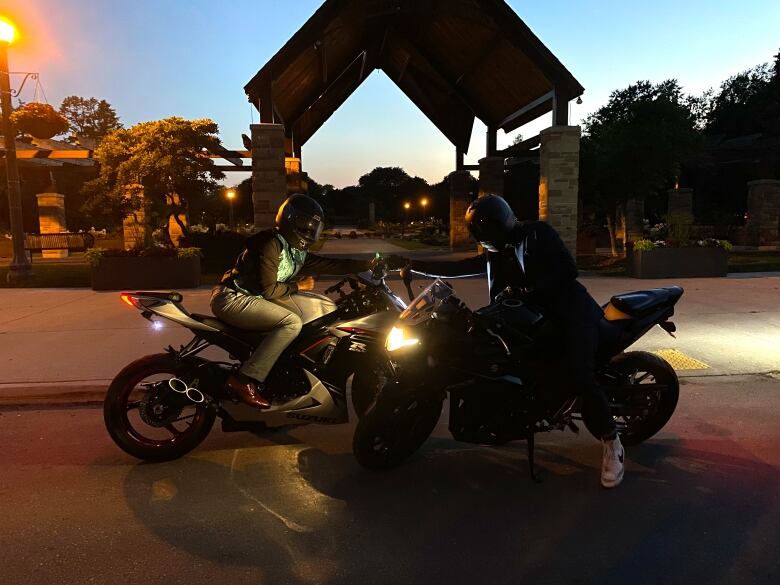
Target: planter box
<point>678,263</point>
<point>146,273</point>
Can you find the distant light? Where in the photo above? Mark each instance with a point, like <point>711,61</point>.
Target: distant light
<point>407,205</point>
<point>7,31</point>
<point>230,194</point>
<point>424,201</point>
<point>157,325</point>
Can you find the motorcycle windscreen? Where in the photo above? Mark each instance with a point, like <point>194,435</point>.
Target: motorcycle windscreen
<point>427,301</point>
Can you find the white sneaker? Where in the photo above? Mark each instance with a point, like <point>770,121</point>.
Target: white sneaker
<point>612,463</point>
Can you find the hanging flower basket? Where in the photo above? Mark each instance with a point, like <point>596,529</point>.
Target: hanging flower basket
<point>39,120</point>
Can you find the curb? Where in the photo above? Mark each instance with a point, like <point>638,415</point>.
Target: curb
<point>26,397</point>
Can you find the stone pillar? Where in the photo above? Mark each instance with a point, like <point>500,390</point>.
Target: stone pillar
<point>174,229</point>
<point>559,170</point>
<point>763,222</point>
<point>51,217</point>
<point>134,226</point>
<point>460,196</point>
<point>269,174</point>
<point>371,212</point>
<point>635,215</point>
<point>680,201</point>
<point>491,175</point>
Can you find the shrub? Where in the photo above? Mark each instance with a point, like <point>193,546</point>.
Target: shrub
<point>644,245</point>
<point>94,255</point>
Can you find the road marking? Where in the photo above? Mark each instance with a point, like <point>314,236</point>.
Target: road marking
<point>679,361</point>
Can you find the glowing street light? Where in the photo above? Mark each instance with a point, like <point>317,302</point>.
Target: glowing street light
<point>423,204</point>
<point>20,267</point>
<point>407,206</point>
<point>231,194</point>
<point>7,31</point>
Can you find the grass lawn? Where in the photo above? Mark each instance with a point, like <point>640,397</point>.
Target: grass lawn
<point>754,261</point>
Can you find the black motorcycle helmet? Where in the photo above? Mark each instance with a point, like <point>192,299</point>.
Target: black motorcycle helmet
<point>300,221</point>
<point>491,221</point>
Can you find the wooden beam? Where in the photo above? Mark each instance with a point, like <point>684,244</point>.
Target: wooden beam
<point>319,46</point>
<point>458,158</point>
<point>560,108</point>
<point>486,51</point>
<point>52,154</point>
<point>231,154</point>
<point>526,109</point>
<point>491,145</point>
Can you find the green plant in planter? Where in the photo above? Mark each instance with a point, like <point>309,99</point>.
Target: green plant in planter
<point>94,255</point>
<point>644,245</point>
<point>679,227</point>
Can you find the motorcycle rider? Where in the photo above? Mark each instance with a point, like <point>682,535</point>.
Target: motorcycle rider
<point>263,273</point>
<point>531,259</point>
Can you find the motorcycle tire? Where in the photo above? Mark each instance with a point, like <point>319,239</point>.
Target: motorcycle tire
<point>394,427</point>
<point>640,365</point>
<point>366,384</point>
<point>129,439</point>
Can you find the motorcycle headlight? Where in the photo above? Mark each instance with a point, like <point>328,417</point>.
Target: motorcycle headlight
<point>398,338</point>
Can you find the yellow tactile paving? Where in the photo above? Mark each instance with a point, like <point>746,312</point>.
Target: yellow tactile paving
<point>679,361</point>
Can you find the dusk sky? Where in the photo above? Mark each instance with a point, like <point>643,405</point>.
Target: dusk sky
<point>156,58</point>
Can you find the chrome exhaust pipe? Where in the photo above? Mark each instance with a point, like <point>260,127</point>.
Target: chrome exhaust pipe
<point>181,387</point>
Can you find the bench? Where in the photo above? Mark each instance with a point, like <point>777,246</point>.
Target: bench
<point>58,241</point>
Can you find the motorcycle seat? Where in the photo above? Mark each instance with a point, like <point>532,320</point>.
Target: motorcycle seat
<point>243,334</point>
<point>644,302</point>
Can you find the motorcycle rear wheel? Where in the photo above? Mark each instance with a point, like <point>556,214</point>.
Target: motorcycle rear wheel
<point>139,440</point>
<point>652,398</point>
<point>394,427</point>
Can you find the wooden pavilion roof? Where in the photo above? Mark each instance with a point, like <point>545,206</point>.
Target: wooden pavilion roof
<point>455,59</point>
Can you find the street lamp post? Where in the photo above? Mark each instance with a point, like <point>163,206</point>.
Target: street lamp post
<point>230,196</point>
<point>407,205</point>
<point>423,204</point>
<point>20,268</point>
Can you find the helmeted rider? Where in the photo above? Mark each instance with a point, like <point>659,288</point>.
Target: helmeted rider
<point>531,259</point>
<point>263,273</point>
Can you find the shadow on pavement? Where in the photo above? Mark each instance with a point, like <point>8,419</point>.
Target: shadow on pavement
<point>460,514</point>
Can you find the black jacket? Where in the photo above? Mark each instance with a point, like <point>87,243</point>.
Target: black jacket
<point>538,265</point>
<point>257,267</point>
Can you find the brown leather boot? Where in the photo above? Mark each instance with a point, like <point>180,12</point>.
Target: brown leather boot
<point>250,392</point>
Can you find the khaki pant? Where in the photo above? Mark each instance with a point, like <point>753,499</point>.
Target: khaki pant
<point>257,314</point>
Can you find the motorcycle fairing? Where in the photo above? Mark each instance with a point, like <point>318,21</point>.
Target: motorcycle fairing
<point>322,404</point>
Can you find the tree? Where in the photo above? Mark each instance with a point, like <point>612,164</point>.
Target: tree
<point>164,156</point>
<point>747,103</point>
<point>634,145</point>
<point>88,117</point>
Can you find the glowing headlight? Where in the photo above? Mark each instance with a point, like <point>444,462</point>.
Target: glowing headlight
<point>398,339</point>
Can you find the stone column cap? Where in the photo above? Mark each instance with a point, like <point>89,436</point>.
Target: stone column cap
<point>764,182</point>
<point>50,195</point>
<point>266,126</point>
<point>491,159</point>
<point>561,129</point>
<point>681,190</point>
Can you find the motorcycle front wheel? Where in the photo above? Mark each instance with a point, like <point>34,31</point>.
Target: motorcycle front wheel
<point>394,427</point>
<point>644,397</point>
<point>367,382</point>
<point>147,419</point>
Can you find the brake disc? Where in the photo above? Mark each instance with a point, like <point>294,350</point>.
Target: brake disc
<point>160,407</point>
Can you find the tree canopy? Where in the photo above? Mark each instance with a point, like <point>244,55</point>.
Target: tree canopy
<point>165,156</point>
<point>89,117</point>
<point>747,103</point>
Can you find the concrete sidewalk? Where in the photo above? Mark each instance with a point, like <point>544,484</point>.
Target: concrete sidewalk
<point>65,345</point>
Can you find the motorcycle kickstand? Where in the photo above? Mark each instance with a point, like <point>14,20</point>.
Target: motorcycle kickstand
<point>530,442</point>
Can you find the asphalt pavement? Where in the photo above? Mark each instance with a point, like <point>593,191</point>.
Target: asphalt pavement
<point>699,505</point>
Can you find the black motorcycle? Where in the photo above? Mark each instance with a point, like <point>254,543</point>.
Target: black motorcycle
<point>162,406</point>
<point>499,366</point>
